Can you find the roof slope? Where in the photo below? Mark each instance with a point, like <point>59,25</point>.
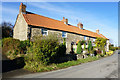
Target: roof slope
<point>38,20</point>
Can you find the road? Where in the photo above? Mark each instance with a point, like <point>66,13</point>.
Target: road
<point>103,68</point>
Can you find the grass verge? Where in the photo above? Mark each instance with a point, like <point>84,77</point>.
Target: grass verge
<point>42,68</point>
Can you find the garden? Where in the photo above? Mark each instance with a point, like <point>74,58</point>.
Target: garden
<point>85,49</point>
<point>43,52</point>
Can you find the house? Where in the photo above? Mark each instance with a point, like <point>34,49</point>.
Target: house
<point>28,25</point>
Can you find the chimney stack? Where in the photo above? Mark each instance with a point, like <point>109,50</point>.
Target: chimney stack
<point>22,8</point>
<point>65,20</point>
<point>80,25</point>
<point>97,31</point>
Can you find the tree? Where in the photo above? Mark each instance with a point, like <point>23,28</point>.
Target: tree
<point>100,42</point>
<point>89,46</point>
<point>79,48</point>
<point>7,29</point>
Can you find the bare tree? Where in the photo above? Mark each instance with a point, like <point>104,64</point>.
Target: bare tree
<point>7,29</point>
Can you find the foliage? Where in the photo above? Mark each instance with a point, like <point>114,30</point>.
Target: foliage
<point>44,50</point>
<point>64,41</point>
<point>100,42</point>
<point>109,53</point>
<point>62,48</point>
<point>7,29</point>
<point>111,47</point>
<point>13,47</point>
<point>79,48</point>
<point>89,46</point>
<point>42,68</point>
<point>24,45</point>
<point>84,46</point>
<point>83,42</point>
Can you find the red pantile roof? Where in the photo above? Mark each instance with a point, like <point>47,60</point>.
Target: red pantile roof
<point>38,20</point>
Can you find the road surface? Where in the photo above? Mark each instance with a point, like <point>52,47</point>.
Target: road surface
<point>103,68</point>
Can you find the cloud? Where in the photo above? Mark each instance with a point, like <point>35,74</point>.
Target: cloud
<point>49,7</point>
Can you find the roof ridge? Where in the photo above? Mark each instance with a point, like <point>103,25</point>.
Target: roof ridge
<point>46,17</point>
<point>61,21</point>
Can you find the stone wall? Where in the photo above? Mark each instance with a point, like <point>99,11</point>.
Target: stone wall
<point>35,32</point>
<point>70,36</point>
<point>20,28</point>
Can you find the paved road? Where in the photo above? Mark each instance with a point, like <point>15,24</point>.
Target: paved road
<point>103,68</point>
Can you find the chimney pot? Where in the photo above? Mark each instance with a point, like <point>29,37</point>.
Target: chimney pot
<point>80,25</point>
<point>97,31</point>
<point>65,20</point>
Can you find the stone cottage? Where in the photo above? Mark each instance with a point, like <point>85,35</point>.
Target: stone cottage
<point>28,25</point>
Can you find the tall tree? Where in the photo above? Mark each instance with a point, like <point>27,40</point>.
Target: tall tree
<point>89,46</point>
<point>79,48</point>
<point>7,29</point>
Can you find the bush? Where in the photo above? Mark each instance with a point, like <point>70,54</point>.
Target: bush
<point>10,45</point>
<point>109,53</point>
<point>13,48</point>
<point>44,50</point>
<point>62,49</point>
<point>90,47</point>
<point>79,48</point>
<point>23,46</point>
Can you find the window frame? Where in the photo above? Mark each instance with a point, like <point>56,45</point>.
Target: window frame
<point>85,38</point>
<point>65,34</point>
<point>43,30</point>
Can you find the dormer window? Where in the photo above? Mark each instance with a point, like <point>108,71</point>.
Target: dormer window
<point>64,34</point>
<point>44,32</point>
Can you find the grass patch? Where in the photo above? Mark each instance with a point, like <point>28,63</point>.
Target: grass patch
<point>42,68</point>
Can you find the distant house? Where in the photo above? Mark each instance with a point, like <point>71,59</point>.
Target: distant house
<point>29,25</point>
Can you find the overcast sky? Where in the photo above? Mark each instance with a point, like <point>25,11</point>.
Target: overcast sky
<point>93,15</point>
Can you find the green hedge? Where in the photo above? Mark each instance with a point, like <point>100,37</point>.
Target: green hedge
<point>44,50</point>
<point>13,47</point>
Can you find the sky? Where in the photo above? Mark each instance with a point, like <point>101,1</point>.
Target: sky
<point>93,15</point>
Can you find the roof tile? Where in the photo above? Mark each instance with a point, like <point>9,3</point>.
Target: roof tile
<point>38,20</point>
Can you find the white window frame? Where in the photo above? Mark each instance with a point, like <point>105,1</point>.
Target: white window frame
<point>65,34</point>
<point>94,39</point>
<point>44,30</point>
<point>85,38</point>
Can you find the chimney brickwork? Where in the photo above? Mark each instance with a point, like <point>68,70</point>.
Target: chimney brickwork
<point>22,8</point>
<point>97,31</point>
<point>65,20</point>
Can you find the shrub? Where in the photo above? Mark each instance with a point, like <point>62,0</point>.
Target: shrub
<point>79,48</point>
<point>44,50</point>
<point>62,49</point>
<point>82,42</point>
<point>10,45</point>
<point>89,46</point>
<point>23,46</point>
<point>109,53</point>
<point>14,47</point>
<point>84,46</point>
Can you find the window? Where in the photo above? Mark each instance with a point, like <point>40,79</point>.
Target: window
<point>44,32</point>
<point>64,34</point>
<point>85,38</point>
<point>93,40</point>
